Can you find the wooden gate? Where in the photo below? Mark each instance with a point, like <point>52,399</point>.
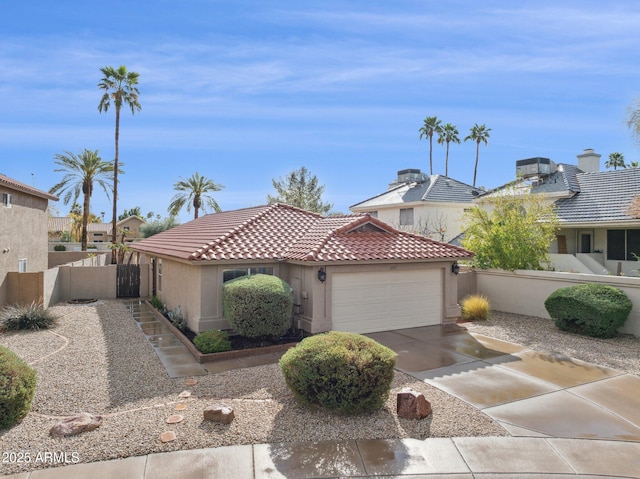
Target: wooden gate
<point>128,280</point>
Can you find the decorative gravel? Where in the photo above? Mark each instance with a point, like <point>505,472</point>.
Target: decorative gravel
<point>97,360</point>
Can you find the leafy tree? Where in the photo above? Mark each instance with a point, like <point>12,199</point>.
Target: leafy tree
<point>633,119</point>
<point>431,125</point>
<point>158,226</point>
<point>300,189</point>
<point>615,160</point>
<point>479,134</point>
<point>81,172</point>
<point>135,211</point>
<point>634,164</point>
<point>119,87</point>
<point>193,192</point>
<point>448,134</point>
<point>514,233</point>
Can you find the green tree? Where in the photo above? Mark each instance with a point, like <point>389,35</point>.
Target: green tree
<point>300,189</point>
<point>448,134</point>
<point>158,226</point>
<point>479,134</point>
<point>514,232</point>
<point>135,211</point>
<point>615,160</point>
<point>194,192</point>
<point>81,172</point>
<point>119,86</point>
<point>431,125</point>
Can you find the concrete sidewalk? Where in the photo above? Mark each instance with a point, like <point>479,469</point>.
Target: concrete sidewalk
<point>455,458</point>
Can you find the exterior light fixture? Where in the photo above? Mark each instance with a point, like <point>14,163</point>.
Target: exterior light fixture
<point>455,268</point>
<point>322,275</point>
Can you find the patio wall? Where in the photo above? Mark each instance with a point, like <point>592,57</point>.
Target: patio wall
<point>524,292</point>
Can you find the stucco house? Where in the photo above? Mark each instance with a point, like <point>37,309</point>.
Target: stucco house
<point>348,272</point>
<point>23,235</point>
<point>597,224</point>
<point>429,205</point>
<point>96,232</point>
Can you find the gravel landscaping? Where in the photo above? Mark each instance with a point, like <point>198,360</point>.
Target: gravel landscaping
<point>96,360</point>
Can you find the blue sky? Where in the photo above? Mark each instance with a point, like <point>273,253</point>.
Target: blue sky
<point>246,91</point>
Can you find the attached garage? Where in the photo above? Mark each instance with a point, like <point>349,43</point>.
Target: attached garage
<point>372,302</point>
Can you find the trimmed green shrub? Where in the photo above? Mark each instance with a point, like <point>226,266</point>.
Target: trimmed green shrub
<point>212,342</point>
<point>596,310</point>
<point>258,305</point>
<point>17,388</point>
<point>343,372</point>
<point>59,247</point>
<point>31,316</point>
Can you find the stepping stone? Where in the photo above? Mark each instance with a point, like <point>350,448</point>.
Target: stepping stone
<point>180,406</point>
<point>168,436</point>
<point>175,418</point>
<point>184,394</point>
<point>190,382</point>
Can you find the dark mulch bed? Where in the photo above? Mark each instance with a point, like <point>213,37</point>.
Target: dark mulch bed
<point>242,342</point>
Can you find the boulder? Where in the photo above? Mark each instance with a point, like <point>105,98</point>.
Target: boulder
<point>73,425</point>
<point>412,404</point>
<point>219,413</point>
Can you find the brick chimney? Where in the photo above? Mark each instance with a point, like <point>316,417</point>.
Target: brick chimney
<point>589,160</point>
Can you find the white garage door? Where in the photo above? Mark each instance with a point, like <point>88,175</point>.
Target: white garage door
<point>370,302</point>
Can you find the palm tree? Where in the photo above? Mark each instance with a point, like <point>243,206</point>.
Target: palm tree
<point>193,191</point>
<point>479,134</point>
<point>448,134</point>
<point>119,86</point>
<point>431,125</point>
<point>81,171</point>
<point>615,160</point>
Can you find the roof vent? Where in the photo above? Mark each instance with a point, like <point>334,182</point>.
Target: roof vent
<point>535,167</point>
<point>410,175</point>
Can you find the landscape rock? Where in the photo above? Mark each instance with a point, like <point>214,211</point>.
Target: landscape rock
<point>168,436</point>
<point>412,404</point>
<point>219,413</point>
<point>73,425</point>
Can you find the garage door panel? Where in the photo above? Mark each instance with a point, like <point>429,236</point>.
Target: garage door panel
<point>370,302</point>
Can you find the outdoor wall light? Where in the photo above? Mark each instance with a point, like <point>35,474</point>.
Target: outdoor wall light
<point>455,268</point>
<point>322,275</point>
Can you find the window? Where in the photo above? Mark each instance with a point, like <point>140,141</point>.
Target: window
<point>623,245</point>
<point>406,216</point>
<point>373,214</point>
<point>229,274</point>
<point>126,228</point>
<point>22,265</point>
<point>6,200</point>
<point>98,234</point>
<point>159,275</point>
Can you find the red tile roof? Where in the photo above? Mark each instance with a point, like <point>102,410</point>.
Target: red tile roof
<point>18,186</point>
<point>283,232</point>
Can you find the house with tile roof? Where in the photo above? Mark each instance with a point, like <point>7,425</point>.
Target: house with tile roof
<point>428,205</point>
<point>23,235</point>
<point>348,272</point>
<point>96,232</point>
<point>597,224</point>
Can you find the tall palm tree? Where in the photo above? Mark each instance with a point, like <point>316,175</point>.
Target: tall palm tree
<point>448,134</point>
<point>479,134</point>
<point>119,87</point>
<point>193,192</point>
<point>431,125</point>
<point>615,160</point>
<point>81,172</point>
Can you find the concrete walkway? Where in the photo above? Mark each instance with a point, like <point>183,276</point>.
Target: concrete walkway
<point>568,418</point>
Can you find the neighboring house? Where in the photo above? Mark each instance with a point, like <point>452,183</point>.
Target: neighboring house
<point>348,272</point>
<point>593,207</point>
<point>97,232</point>
<point>23,231</point>
<point>429,205</point>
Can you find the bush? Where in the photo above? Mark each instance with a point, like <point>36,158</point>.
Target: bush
<point>17,388</point>
<point>342,372</point>
<point>595,310</point>
<point>475,307</point>
<point>59,247</point>
<point>156,303</point>
<point>32,316</point>
<point>212,342</point>
<point>258,305</point>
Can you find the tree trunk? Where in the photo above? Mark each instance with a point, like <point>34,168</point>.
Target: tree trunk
<point>114,257</point>
<point>85,220</point>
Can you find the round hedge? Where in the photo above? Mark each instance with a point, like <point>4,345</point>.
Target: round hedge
<point>343,372</point>
<point>258,305</point>
<point>17,388</point>
<point>596,310</point>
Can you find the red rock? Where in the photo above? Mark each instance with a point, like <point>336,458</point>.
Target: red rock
<point>219,413</point>
<point>73,425</point>
<point>412,405</point>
